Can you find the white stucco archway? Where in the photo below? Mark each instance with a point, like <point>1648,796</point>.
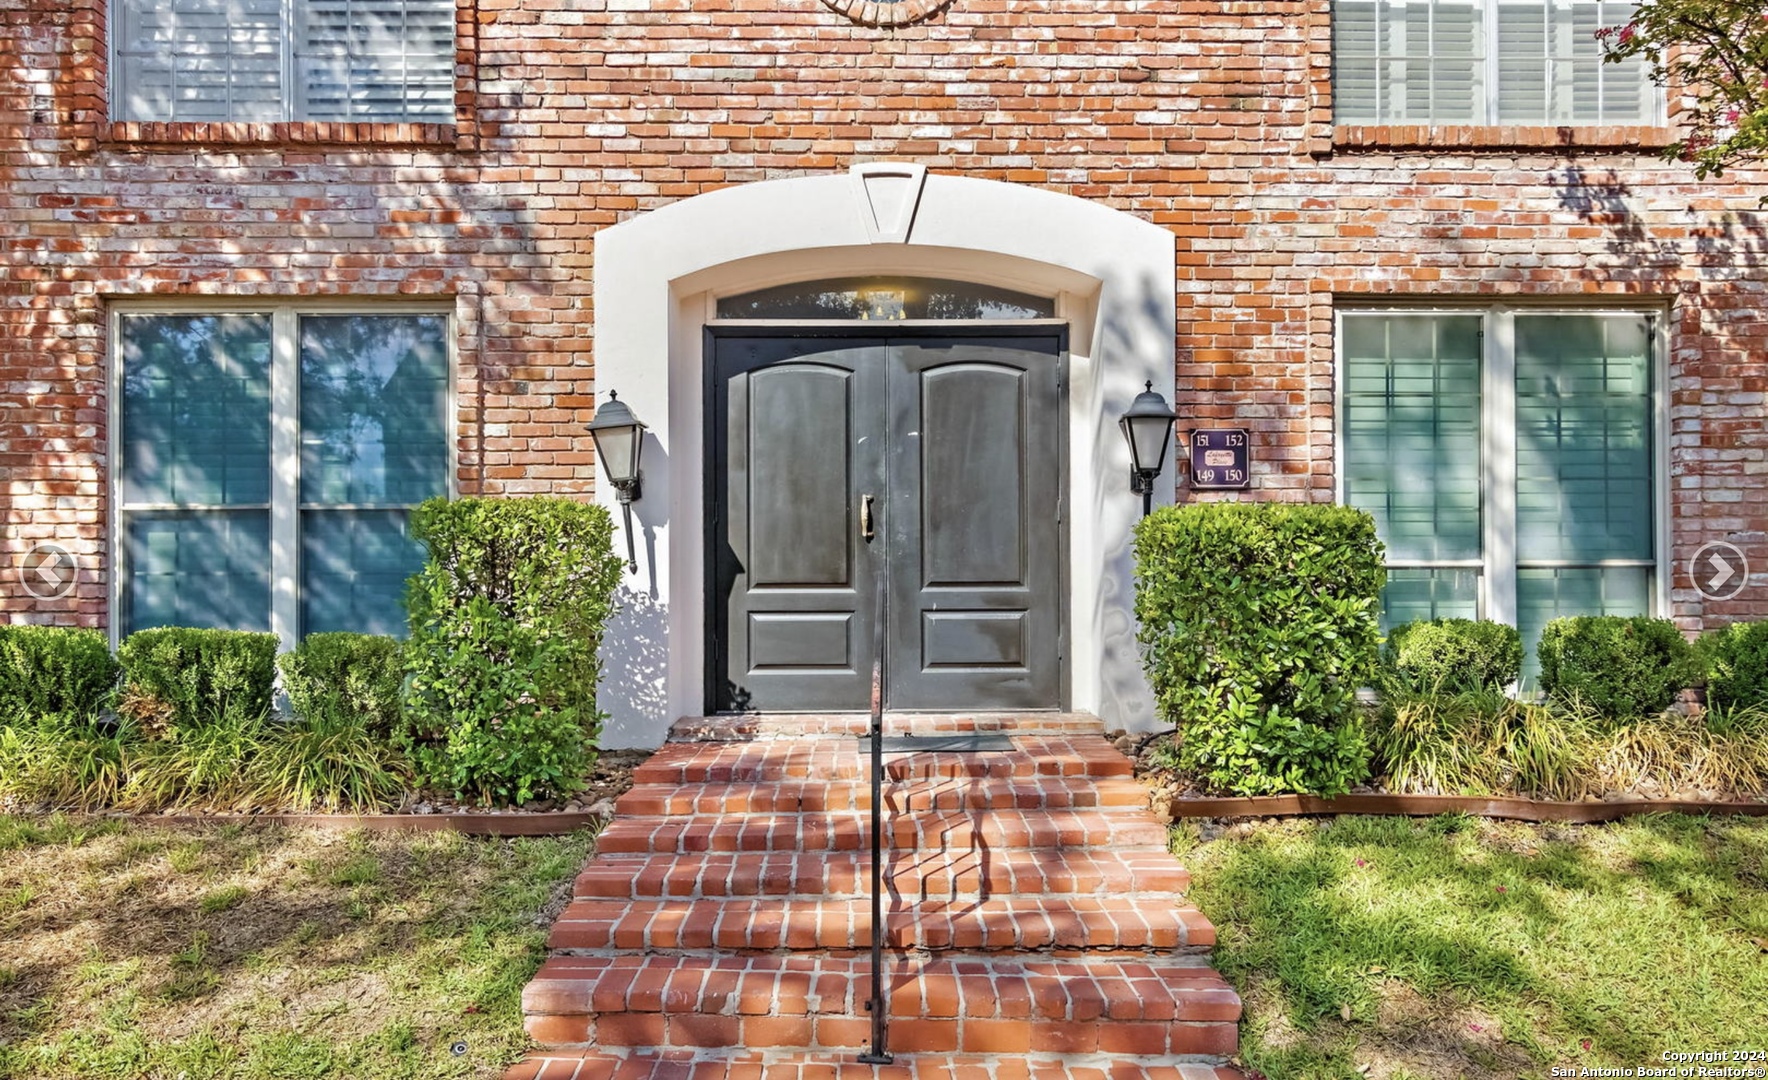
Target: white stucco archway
<point>656,278</point>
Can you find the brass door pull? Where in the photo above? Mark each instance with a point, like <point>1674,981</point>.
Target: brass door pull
<point>865,517</point>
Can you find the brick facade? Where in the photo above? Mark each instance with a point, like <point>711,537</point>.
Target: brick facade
<point>1211,119</point>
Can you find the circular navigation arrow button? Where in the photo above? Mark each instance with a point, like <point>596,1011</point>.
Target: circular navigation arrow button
<point>1719,570</point>
<point>49,571</point>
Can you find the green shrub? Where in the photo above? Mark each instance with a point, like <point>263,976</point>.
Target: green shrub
<point>180,677</point>
<point>506,620</point>
<point>342,676</point>
<point>55,671</point>
<point>1735,660</point>
<point>1258,624</point>
<point>1622,667</point>
<point>1453,656</point>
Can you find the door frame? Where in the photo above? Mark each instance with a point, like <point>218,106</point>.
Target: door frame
<point>923,329</point>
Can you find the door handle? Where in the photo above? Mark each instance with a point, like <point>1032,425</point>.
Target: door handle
<point>865,517</point>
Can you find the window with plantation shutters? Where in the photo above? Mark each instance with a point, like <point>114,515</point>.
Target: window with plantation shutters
<point>1483,62</point>
<point>277,60</point>
<point>1508,458</point>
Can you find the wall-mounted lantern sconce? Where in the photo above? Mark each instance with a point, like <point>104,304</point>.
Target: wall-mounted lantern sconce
<point>619,437</point>
<point>1148,428</point>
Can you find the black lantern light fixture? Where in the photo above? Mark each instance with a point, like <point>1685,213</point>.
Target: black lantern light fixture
<point>1148,428</point>
<point>619,437</point>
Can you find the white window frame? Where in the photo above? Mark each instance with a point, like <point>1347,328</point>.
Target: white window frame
<point>1490,74</point>
<point>285,433</point>
<point>1497,566</point>
<point>294,96</point>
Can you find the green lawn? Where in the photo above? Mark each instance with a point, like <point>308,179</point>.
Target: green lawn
<point>1459,947</point>
<point>227,951</point>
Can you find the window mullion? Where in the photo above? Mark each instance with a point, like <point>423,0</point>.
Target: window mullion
<point>1498,439</point>
<point>285,477</point>
<point>291,33</point>
<point>1493,63</point>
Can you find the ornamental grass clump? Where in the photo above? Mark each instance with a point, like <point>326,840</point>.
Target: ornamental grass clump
<point>506,620</point>
<point>1258,626</point>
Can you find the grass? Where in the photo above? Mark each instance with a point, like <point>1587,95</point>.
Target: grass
<point>1460,947</point>
<point>133,951</point>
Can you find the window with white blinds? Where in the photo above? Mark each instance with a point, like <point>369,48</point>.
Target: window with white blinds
<point>274,60</point>
<point>1508,457</point>
<point>1483,62</point>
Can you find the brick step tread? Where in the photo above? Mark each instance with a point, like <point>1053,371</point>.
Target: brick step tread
<point>852,831</point>
<point>791,725</point>
<point>845,758</point>
<point>938,1005</point>
<point>820,796</point>
<point>610,1064</point>
<point>771,923</point>
<point>914,877</point>
<point>1111,989</point>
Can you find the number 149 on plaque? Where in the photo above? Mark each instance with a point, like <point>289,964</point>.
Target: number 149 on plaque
<point>1221,459</point>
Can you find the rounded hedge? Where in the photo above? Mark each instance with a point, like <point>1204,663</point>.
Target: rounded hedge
<point>1736,663</point>
<point>1453,656</point>
<point>1623,667</point>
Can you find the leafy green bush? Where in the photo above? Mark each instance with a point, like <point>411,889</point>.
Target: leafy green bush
<point>1453,655</point>
<point>343,676</point>
<point>55,671</point>
<point>179,677</point>
<point>1736,663</point>
<point>1622,667</point>
<point>506,620</point>
<point>1258,623</point>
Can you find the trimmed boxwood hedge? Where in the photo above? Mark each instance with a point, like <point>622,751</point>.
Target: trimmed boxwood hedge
<point>1622,667</point>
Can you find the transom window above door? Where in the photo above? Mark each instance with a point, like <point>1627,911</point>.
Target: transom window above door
<point>1484,62</point>
<point>268,61</point>
<point>885,299</point>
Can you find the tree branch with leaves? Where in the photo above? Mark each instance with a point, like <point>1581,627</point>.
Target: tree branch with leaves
<point>1715,52</point>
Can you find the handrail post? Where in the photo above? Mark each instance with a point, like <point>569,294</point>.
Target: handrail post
<point>878,1055</point>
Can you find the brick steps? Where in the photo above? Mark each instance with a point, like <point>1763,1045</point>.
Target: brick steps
<point>923,875</point>
<point>1017,923</point>
<point>823,796</point>
<point>852,831</point>
<point>751,727</point>
<point>1035,923</point>
<point>615,1064</point>
<point>938,1005</point>
<point>839,759</point>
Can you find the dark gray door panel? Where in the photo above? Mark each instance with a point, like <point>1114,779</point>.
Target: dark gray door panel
<point>795,444</point>
<point>975,482</point>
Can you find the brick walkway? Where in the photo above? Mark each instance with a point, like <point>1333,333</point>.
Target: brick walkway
<point>1036,924</point>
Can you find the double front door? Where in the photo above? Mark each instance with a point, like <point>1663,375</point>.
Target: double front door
<point>930,463</point>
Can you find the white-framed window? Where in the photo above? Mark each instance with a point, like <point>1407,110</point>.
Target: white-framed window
<point>1524,62</point>
<point>266,460</point>
<point>1513,458</point>
<point>265,61</point>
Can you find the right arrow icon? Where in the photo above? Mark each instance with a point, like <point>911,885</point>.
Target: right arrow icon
<point>1719,570</point>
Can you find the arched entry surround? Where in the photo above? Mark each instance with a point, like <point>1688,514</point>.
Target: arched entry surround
<point>657,279</point>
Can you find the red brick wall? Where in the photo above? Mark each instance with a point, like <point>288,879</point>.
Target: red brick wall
<point>1212,119</point>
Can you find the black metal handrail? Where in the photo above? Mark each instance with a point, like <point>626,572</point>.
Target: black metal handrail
<point>879,1054</point>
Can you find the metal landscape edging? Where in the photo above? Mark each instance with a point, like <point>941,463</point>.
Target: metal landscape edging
<point>1540,810</point>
